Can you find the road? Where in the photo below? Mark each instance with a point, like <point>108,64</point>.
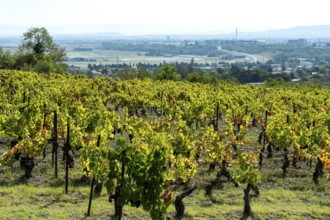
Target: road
<point>248,57</point>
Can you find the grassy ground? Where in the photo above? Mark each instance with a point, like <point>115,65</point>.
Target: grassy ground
<point>43,197</point>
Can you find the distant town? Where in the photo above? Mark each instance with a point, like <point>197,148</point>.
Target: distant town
<point>241,57</point>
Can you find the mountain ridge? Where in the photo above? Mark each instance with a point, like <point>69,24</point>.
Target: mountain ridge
<point>309,32</point>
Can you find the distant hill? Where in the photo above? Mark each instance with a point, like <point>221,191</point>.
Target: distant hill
<point>151,31</point>
<point>316,32</point>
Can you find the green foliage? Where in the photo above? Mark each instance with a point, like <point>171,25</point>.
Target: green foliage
<point>282,51</point>
<point>38,42</point>
<point>271,82</point>
<point>125,73</point>
<point>45,67</point>
<point>37,52</point>
<point>158,49</point>
<point>247,172</point>
<point>7,61</point>
<point>199,76</point>
<point>167,72</point>
<point>155,135</point>
<point>129,73</point>
<point>247,75</point>
<point>280,57</point>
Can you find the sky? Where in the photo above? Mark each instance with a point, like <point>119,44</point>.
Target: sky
<point>164,16</point>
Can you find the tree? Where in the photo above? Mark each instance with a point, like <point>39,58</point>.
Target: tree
<point>167,72</point>
<point>126,73</point>
<point>38,51</point>
<point>280,57</point>
<point>143,73</point>
<point>40,43</point>
<point>7,61</point>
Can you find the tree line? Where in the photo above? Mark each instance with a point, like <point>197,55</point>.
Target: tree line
<point>193,72</point>
<point>164,49</point>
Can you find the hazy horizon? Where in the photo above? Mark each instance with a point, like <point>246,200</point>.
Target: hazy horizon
<point>148,17</point>
<point>120,29</point>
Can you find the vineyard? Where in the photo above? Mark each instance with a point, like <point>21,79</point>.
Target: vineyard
<point>155,145</point>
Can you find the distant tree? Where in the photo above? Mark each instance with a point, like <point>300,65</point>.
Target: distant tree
<point>62,68</point>
<point>7,61</point>
<point>104,71</point>
<point>220,71</point>
<point>192,62</point>
<point>196,76</point>
<point>280,58</point>
<point>38,42</point>
<point>38,52</point>
<point>271,82</point>
<point>229,78</point>
<point>200,76</point>
<point>247,75</point>
<point>45,66</point>
<point>126,73</point>
<point>143,73</point>
<point>167,72</point>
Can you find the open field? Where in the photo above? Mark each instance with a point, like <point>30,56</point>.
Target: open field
<point>132,57</point>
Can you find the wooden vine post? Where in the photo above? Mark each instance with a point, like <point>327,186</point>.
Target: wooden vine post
<point>92,184</point>
<point>67,149</point>
<point>55,145</point>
